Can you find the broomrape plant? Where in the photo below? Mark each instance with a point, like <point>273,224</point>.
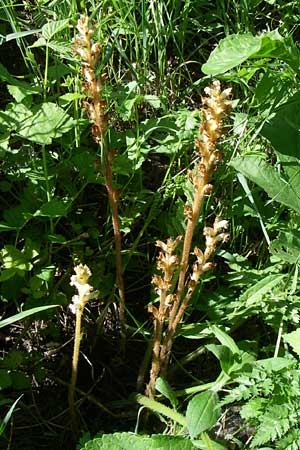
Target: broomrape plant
<point>95,106</point>
<point>173,303</point>
<point>85,293</point>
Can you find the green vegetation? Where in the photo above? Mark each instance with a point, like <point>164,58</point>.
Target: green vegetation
<point>127,126</point>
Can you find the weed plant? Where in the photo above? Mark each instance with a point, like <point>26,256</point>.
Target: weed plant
<point>236,347</point>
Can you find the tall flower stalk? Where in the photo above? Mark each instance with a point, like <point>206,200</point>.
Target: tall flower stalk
<point>95,107</point>
<point>173,302</point>
<point>84,294</point>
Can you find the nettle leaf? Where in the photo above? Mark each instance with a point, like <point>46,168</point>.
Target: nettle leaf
<point>287,246</point>
<point>267,177</point>
<point>130,441</point>
<point>202,413</point>
<point>237,48</point>
<point>19,92</point>
<point>293,339</point>
<point>53,27</point>
<point>46,122</point>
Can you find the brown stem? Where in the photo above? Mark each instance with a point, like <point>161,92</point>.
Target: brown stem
<point>113,203</point>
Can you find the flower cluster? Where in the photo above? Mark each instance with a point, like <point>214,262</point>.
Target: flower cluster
<point>213,235</point>
<point>90,54</point>
<point>85,290</point>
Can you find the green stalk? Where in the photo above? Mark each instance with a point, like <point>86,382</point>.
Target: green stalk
<point>161,409</point>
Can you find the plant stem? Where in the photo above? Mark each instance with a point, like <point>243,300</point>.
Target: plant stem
<point>113,203</point>
<point>75,359</point>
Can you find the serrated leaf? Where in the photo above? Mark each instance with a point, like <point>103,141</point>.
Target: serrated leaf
<point>267,177</point>
<point>20,92</point>
<point>202,413</point>
<point>293,339</point>
<point>52,27</point>
<point>46,122</point>
<point>130,441</point>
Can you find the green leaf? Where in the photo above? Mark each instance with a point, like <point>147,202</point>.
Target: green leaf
<point>293,339</point>
<point>237,48</point>
<point>282,130</point>
<point>231,51</point>
<point>44,123</point>
<point>52,27</point>
<point>53,208</point>
<point>165,389</point>
<point>202,413</point>
<point>8,416</point>
<point>5,379</point>
<point>153,100</point>
<point>287,246</point>
<point>22,315</point>
<point>12,258</point>
<point>267,177</point>
<point>254,294</point>
<point>20,92</point>
<point>130,441</point>
<point>225,339</point>
<point>20,34</point>
<point>275,364</point>
<point>223,354</point>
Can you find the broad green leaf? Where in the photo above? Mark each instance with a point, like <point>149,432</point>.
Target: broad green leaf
<point>202,413</point>
<point>153,100</point>
<point>165,389</point>
<point>287,246</point>
<point>283,132</point>
<point>52,27</point>
<point>223,354</point>
<point>46,273</point>
<point>225,339</point>
<point>275,364</point>
<point>20,92</point>
<point>46,122</point>
<point>237,48</point>
<point>231,51</point>
<point>130,441</point>
<point>53,208</point>
<point>267,177</point>
<point>293,339</point>
<point>22,315</point>
<point>254,294</point>
<point>12,258</point>
<point>6,274</point>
